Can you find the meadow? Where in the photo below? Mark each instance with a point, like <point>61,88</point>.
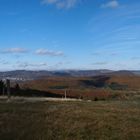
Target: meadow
<point>85,120</point>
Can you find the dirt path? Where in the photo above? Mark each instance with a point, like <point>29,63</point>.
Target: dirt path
<point>36,99</point>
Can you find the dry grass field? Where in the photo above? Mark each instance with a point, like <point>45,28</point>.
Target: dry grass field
<point>131,81</point>
<point>101,120</point>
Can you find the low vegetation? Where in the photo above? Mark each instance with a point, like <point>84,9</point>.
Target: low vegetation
<point>101,120</point>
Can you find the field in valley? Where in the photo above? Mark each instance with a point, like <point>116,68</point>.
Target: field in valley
<point>92,88</point>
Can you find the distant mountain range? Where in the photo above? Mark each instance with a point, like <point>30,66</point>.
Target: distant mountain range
<point>23,75</point>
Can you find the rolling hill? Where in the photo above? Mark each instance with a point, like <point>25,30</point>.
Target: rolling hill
<point>23,75</point>
<point>80,84</point>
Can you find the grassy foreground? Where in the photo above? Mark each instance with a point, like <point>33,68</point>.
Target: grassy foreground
<point>106,120</point>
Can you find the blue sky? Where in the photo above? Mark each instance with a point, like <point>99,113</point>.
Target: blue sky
<point>69,34</point>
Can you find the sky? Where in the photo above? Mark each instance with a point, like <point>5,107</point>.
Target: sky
<point>69,34</point>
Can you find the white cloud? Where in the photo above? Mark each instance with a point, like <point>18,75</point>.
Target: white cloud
<point>49,52</point>
<point>100,63</point>
<point>14,50</point>
<point>111,4</point>
<point>30,65</point>
<point>61,4</point>
<point>49,1</point>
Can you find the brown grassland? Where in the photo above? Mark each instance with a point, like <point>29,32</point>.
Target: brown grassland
<point>99,87</point>
<point>101,120</point>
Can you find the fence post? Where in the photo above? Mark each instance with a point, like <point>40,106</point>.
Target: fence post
<point>8,88</point>
<point>3,90</point>
<point>65,93</point>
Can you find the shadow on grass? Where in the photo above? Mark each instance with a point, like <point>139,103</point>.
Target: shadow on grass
<point>97,81</point>
<point>37,93</point>
<point>33,93</point>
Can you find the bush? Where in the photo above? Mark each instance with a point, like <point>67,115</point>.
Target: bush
<point>116,86</point>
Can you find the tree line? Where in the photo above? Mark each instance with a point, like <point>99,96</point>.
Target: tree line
<point>3,88</point>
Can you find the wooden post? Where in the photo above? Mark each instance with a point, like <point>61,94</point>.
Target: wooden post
<point>3,90</point>
<point>65,93</point>
<point>8,88</point>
